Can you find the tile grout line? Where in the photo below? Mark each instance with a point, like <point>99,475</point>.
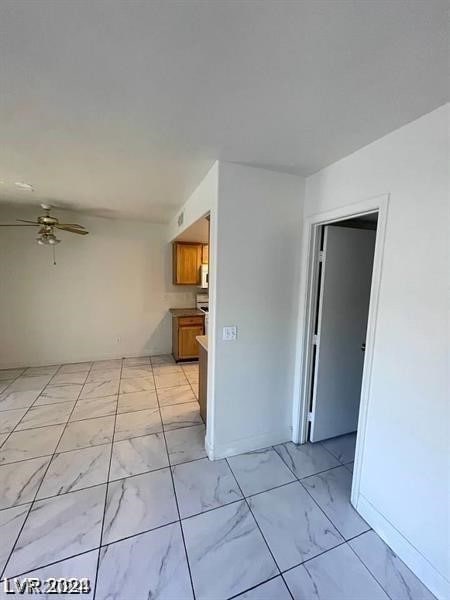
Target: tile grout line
<point>33,404</point>
<point>259,528</point>
<point>35,495</point>
<point>367,568</point>
<point>175,494</point>
<point>312,497</point>
<point>107,486</point>
<point>95,445</point>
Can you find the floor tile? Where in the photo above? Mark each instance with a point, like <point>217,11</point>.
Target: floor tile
<point>137,401</point>
<point>162,359</point>
<point>175,395</point>
<point>75,470</point>
<point>47,370</point>
<point>136,361</point>
<point>170,380</point>
<point>99,389</point>
<point>92,432</point>
<point>10,418</point>
<point>342,447</point>
<point>167,369</point>
<point>90,408</point>
<point>75,368</point>
<point>59,393</point>
<point>83,566</point>
<point>275,589</point>
<point>306,459</point>
<point>31,443</point>
<point>58,528</point>
<point>294,527</point>
<point>226,551</point>
<point>337,574</point>
<point>181,415</point>
<point>392,573</point>
<point>138,455</point>
<point>11,520</point>
<point>190,367</point>
<point>103,375</point>
<point>137,504</point>
<point>25,384</point>
<point>150,565</point>
<point>259,471</point>
<point>41,416</point>
<point>11,400</point>
<point>3,437</point>
<point>19,482</point>
<point>10,373</point>
<point>142,371</point>
<point>192,377</point>
<point>138,423</point>
<point>331,490</point>
<point>136,384</point>
<point>202,485</point>
<point>5,384</point>
<point>186,444</point>
<point>194,387</point>
<point>69,378</point>
<point>111,363</point>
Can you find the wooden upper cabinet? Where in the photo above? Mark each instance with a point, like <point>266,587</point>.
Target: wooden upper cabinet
<point>205,254</point>
<point>187,258</point>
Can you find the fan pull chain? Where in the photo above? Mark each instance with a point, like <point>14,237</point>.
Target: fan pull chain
<point>54,254</point>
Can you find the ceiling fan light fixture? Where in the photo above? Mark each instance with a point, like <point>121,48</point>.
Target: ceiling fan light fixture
<point>47,239</point>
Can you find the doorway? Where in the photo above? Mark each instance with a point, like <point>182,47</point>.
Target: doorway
<point>344,264</point>
<point>312,230</point>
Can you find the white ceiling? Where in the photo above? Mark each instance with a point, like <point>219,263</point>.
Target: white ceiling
<point>119,108</point>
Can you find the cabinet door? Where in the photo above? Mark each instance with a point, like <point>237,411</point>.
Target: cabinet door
<point>205,254</point>
<point>186,263</point>
<point>187,343</point>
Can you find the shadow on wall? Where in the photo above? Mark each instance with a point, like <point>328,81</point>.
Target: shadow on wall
<point>160,340</point>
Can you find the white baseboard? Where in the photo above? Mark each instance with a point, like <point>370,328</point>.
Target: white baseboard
<point>248,444</point>
<point>419,565</point>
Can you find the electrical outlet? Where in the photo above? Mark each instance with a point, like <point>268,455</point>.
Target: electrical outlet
<point>229,333</point>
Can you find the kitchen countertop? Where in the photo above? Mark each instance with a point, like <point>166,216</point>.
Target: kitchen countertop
<point>186,312</point>
<point>203,341</point>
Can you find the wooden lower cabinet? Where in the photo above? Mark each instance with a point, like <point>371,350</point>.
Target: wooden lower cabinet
<point>184,333</point>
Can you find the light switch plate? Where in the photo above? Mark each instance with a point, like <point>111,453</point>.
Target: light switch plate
<point>229,333</point>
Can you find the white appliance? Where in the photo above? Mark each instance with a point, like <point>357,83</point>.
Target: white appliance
<point>204,276</point>
<point>202,304</point>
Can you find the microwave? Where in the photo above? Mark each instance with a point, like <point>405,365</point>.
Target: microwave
<point>204,276</point>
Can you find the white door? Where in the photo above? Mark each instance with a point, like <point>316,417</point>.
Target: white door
<point>343,307</point>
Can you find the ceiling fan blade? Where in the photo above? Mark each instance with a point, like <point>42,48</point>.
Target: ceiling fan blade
<point>24,221</point>
<point>17,225</point>
<point>75,225</point>
<point>71,229</point>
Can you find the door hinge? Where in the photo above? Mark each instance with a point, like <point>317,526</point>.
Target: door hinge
<point>320,255</point>
<point>315,339</point>
<point>310,416</point>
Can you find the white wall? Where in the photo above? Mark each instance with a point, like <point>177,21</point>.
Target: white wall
<point>204,200</point>
<point>258,240</point>
<point>201,201</point>
<point>113,283</point>
<point>405,481</point>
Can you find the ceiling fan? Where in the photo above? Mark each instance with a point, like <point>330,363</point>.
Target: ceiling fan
<point>48,224</point>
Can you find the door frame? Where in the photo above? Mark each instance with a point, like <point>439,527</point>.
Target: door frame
<point>308,295</point>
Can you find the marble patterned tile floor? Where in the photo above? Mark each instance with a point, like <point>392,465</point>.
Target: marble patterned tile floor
<point>104,475</point>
